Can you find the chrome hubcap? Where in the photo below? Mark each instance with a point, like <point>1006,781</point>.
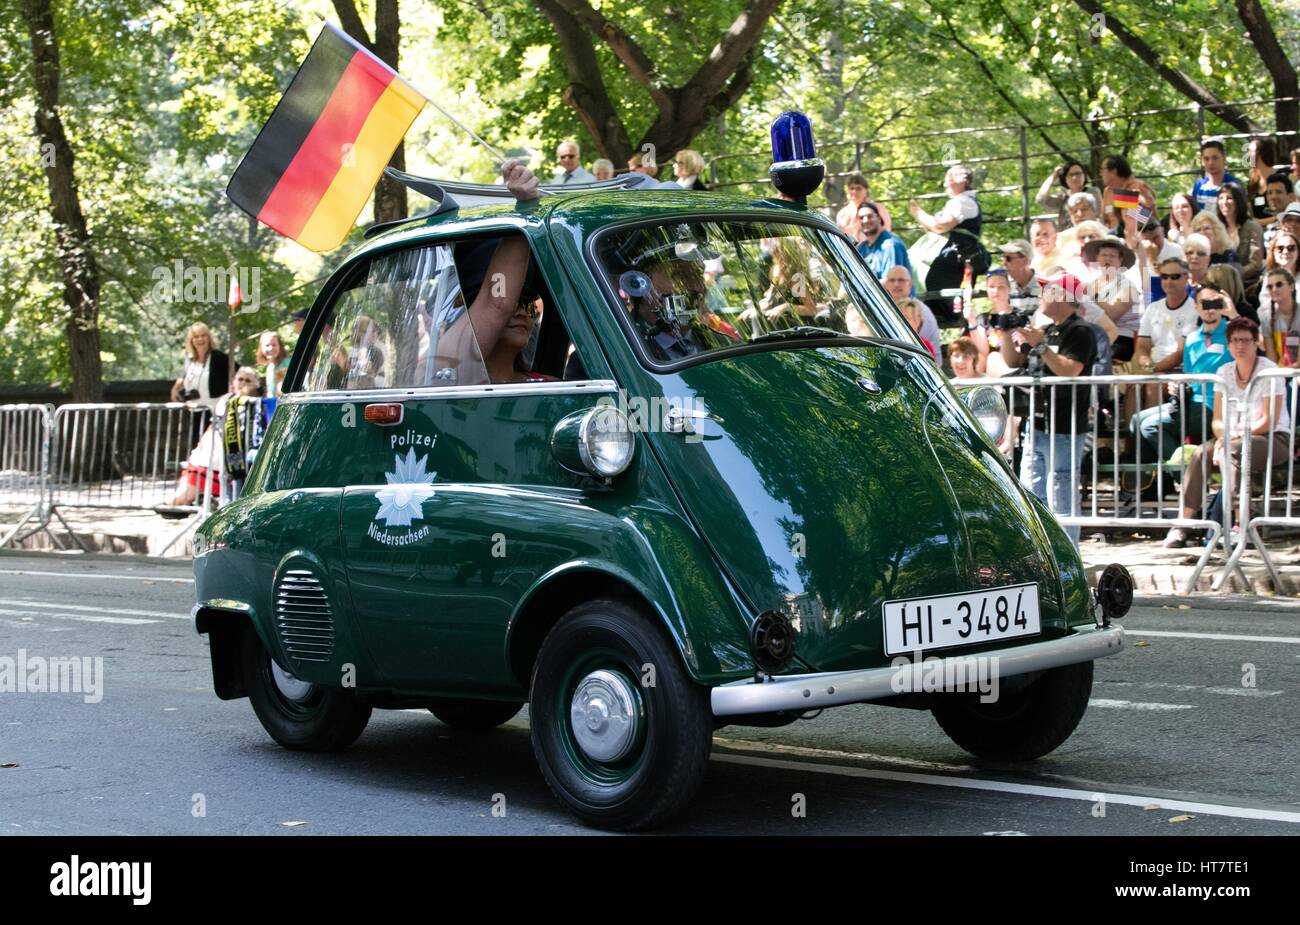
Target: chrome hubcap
<point>605,716</point>
<point>292,688</point>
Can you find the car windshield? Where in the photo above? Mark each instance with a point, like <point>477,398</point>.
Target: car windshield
<point>697,287</point>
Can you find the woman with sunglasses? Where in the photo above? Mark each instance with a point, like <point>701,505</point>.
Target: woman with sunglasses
<point>506,363</point>
<point>1263,420</point>
<point>1283,254</point>
<point>1280,325</point>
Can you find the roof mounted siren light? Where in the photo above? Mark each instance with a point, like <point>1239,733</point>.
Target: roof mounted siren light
<point>796,169</point>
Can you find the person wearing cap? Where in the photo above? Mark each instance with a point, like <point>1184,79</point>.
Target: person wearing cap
<point>1054,432</point>
<point>1114,293</point>
<point>880,249</point>
<point>1017,257</point>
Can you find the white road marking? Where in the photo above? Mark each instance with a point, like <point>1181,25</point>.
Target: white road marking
<point>45,605</point>
<point>1000,786</point>
<point>1242,692</point>
<point>1165,685</point>
<point>1232,637</point>
<point>81,617</point>
<point>99,575</point>
<point>1138,705</point>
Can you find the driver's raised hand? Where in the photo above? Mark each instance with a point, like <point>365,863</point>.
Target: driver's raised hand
<point>519,179</point>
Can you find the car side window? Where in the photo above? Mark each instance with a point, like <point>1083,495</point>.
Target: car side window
<point>403,323</point>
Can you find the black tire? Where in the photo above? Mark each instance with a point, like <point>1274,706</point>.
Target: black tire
<point>1019,726</point>
<point>666,763</point>
<point>474,715</point>
<point>323,720</point>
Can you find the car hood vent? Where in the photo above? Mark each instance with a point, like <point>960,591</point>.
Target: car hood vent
<point>302,617</point>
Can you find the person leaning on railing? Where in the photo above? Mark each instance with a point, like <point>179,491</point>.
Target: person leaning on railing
<point>1204,349</point>
<point>1263,419</point>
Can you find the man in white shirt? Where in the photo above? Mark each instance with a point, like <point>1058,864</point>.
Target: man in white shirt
<point>1167,323</point>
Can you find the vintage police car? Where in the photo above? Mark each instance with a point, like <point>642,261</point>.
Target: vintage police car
<point>651,462</point>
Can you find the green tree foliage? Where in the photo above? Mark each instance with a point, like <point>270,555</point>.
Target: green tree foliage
<point>160,98</point>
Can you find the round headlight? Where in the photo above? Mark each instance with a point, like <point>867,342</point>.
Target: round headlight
<point>605,441</point>
<point>989,408</point>
<point>597,442</point>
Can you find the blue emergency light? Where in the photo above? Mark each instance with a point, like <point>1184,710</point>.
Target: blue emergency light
<point>796,170</point>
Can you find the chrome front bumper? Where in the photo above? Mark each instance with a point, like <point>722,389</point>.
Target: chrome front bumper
<point>829,689</point>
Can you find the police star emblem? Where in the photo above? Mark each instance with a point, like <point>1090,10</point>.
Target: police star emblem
<point>409,486</point>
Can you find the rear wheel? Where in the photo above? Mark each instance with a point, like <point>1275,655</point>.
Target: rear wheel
<point>474,715</point>
<point>297,713</point>
<point>1019,726</point>
<point>620,731</point>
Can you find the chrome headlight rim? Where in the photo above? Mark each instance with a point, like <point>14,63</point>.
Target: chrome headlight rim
<point>600,421</point>
<point>998,409</point>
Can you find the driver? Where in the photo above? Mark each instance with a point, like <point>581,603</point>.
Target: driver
<point>667,297</point>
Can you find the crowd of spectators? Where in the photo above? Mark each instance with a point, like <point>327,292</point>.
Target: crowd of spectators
<point>1110,282</point>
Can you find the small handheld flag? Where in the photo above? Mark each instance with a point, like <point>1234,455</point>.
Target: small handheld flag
<point>236,297</point>
<point>313,165</point>
<point>1126,199</point>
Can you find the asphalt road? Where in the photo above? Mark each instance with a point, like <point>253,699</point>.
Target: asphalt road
<point>1172,733</point>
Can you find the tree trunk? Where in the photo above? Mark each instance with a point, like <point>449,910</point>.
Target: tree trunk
<point>682,112</point>
<point>1270,51</point>
<point>75,256</point>
<point>390,196</point>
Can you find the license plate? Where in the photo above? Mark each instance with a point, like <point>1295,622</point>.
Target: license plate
<point>968,619</point>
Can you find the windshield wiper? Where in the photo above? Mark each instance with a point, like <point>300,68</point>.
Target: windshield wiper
<point>795,333</point>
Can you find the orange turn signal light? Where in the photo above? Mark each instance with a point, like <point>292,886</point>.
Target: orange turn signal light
<point>384,414</point>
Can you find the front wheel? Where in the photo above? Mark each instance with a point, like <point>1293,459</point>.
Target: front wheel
<point>297,713</point>
<point>620,731</point>
<point>1021,726</point>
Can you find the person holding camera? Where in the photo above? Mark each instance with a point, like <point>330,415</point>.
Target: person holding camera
<point>205,377</point>
<point>1056,428</point>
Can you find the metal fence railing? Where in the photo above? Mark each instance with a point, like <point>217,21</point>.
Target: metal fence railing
<point>24,467</point>
<point>1160,481</point>
<point>1009,167</point>
<point>1276,502</point>
<point>108,456</point>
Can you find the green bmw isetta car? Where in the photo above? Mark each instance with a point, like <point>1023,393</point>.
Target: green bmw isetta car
<point>652,462</point>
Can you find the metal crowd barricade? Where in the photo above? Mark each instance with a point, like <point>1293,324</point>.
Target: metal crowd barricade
<point>1278,490</point>
<point>24,468</point>
<point>130,457</point>
<point>1097,492</point>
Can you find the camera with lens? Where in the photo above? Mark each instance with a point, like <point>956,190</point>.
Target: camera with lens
<point>1008,321</point>
<point>190,395</point>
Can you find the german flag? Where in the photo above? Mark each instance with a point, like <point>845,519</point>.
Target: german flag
<point>1126,198</point>
<point>312,168</point>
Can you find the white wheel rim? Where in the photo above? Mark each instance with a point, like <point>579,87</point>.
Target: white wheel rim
<point>604,716</point>
<point>290,688</point>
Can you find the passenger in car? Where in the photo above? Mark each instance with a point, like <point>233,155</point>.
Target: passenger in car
<point>506,363</point>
